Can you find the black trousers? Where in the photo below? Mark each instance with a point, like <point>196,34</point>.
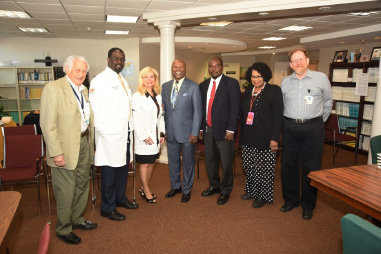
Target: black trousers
<point>217,151</point>
<point>302,149</point>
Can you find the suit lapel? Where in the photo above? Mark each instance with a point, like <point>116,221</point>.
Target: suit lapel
<point>182,90</point>
<point>69,93</point>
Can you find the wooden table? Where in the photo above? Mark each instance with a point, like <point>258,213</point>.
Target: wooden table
<point>9,212</point>
<point>359,186</point>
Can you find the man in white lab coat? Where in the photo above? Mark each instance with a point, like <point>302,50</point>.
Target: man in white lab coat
<point>110,98</point>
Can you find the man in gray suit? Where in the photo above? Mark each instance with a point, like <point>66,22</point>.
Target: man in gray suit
<point>183,113</point>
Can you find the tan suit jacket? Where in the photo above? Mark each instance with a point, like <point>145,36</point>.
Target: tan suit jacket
<point>60,121</point>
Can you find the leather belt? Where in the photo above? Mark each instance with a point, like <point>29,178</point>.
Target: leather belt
<point>302,120</point>
<point>84,133</point>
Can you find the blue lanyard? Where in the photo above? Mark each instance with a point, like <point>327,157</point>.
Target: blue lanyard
<point>81,102</point>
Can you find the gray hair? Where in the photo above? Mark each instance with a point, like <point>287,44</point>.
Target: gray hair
<point>69,62</point>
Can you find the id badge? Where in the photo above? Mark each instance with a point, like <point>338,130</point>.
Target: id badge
<point>250,118</point>
<point>308,99</point>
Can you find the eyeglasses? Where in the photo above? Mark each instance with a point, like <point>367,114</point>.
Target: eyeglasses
<point>116,59</point>
<point>300,60</point>
<point>256,77</point>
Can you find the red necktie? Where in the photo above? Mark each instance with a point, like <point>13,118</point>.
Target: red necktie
<point>212,93</point>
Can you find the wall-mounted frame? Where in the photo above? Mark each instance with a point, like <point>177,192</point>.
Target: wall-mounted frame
<point>376,54</point>
<point>340,56</point>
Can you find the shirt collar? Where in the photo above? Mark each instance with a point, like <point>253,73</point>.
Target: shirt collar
<point>74,86</point>
<point>309,74</point>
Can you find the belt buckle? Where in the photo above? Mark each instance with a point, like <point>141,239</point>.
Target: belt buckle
<point>299,120</point>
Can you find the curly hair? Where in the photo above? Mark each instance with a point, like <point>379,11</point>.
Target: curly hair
<point>156,88</point>
<point>262,68</point>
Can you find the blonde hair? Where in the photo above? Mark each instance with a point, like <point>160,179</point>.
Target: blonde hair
<point>156,88</point>
<point>297,48</point>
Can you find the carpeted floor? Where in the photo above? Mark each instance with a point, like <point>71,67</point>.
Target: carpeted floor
<point>199,226</point>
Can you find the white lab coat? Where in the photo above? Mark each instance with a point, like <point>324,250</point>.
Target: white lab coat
<point>112,110</point>
<point>145,123</point>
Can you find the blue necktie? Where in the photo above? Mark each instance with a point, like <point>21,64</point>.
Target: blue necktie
<point>174,94</point>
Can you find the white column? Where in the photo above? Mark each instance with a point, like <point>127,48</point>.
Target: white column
<point>167,55</point>
<point>376,121</point>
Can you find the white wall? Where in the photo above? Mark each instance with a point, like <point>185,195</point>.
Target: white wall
<point>25,50</point>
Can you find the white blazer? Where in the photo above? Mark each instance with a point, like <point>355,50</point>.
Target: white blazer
<point>112,114</point>
<point>145,122</point>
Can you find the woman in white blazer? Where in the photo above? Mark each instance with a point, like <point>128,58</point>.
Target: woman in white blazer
<point>148,126</point>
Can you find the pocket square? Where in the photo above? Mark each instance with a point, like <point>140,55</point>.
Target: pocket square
<point>185,94</point>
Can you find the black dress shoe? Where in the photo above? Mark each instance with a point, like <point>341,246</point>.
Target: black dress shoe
<point>222,199</point>
<point>70,238</point>
<point>114,215</point>
<point>185,198</point>
<point>259,202</point>
<point>86,225</point>
<point>210,191</point>
<point>128,205</point>
<point>286,208</point>
<point>172,193</point>
<point>307,214</point>
<point>246,196</point>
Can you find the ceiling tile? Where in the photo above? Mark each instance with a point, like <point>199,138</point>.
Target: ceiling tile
<point>84,2</point>
<point>39,1</point>
<point>124,11</point>
<point>48,15</point>
<point>10,6</point>
<point>87,17</point>
<point>37,7</point>
<point>168,5</point>
<point>84,9</point>
<point>130,4</point>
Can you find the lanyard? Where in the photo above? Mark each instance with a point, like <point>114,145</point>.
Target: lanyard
<point>81,102</point>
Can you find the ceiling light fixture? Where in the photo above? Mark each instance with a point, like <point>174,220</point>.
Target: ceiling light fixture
<point>273,39</point>
<point>364,13</point>
<point>295,28</point>
<point>121,19</point>
<point>263,13</point>
<point>117,32</point>
<point>33,30</point>
<point>14,14</point>
<point>267,47</point>
<point>219,24</point>
<point>212,18</point>
<point>342,42</point>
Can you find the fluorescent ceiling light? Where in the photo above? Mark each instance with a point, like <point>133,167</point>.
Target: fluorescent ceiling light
<point>221,23</point>
<point>121,19</point>
<point>117,32</point>
<point>14,14</point>
<point>267,47</point>
<point>33,30</point>
<point>364,13</point>
<point>273,39</point>
<point>295,28</point>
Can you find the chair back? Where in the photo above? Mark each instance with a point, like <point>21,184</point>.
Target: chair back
<point>20,130</point>
<point>359,235</point>
<point>44,240</point>
<point>22,151</point>
<point>375,146</point>
<point>332,123</point>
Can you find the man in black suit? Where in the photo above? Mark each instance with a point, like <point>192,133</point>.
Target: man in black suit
<point>221,100</point>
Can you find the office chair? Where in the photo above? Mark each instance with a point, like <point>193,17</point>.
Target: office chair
<point>375,146</point>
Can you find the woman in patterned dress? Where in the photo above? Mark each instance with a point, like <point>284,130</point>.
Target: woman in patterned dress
<point>261,124</point>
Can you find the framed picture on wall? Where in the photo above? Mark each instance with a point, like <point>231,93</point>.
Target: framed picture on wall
<point>340,56</point>
<point>242,73</point>
<point>376,53</point>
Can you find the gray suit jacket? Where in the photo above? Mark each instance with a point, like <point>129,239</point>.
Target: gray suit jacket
<point>184,119</point>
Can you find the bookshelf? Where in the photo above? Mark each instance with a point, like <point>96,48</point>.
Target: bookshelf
<point>354,111</point>
<point>9,92</point>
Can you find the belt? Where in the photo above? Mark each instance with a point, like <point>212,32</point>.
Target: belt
<point>84,133</point>
<point>302,120</point>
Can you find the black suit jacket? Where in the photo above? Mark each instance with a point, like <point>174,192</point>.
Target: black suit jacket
<point>226,106</point>
<point>268,117</point>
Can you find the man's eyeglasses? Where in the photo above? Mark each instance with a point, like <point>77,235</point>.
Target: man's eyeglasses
<point>115,59</point>
<point>256,77</point>
<point>300,60</point>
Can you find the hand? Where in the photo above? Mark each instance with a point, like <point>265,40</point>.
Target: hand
<point>273,146</point>
<point>59,160</point>
<point>162,139</point>
<point>148,141</point>
<point>201,135</point>
<point>229,136</point>
<point>193,139</point>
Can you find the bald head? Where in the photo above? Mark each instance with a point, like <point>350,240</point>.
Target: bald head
<point>178,69</point>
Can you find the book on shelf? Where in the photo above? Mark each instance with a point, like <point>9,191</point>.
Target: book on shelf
<point>366,128</point>
<point>347,109</point>
<point>345,122</point>
<point>368,112</point>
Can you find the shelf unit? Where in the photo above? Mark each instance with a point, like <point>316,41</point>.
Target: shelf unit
<point>354,111</point>
<point>21,88</point>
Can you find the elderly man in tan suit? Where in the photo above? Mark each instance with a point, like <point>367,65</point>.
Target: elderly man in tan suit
<point>67,124</point>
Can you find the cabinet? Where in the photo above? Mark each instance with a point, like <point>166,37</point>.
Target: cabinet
<point>354,111</point>
<point>21,89</point>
